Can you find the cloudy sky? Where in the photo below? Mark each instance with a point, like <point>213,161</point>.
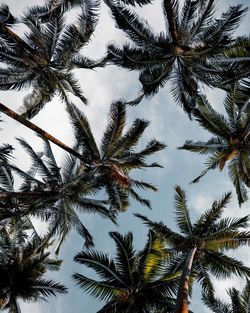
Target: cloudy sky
<point>168,124</point>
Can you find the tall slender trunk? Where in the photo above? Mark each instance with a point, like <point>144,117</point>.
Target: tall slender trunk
<point>182,297</point>
<point>40,131</point>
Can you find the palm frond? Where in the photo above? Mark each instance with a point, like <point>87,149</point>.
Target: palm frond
<point>234,174</point>
<point>83,131</point>
<point>182,212</point>
<point>103,266</point>
<point>125,255</point>
<point>99,289</point>
<point>114,128</point>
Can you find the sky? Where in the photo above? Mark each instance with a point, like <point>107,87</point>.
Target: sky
<point>168,124</point>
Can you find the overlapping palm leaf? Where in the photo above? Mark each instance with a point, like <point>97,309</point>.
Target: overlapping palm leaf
<point>211,235</point>
<point>131,281</point>
<point>239,301</point>
<point>111,163</point>
<point>188,52</point>
<point>54,195</point>
<point>23,263</point>
<point>44,58</point>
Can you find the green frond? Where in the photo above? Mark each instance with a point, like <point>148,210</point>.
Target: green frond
<point>155,77</point>
<point>34,102</point>
<point>152,147</point>
<point>83,131</point>
<point>188,14</point>
<point>236,300</point>
<point>125,256</point>
<point>87,20</point>
<point>224,266</point>
<point>227,225</point>
<point>203,277</point>
<point>211,216</point>
<point>220,30</point>
<point>246,295</point>
<point>211,163</point>
<point>132,58</point>
<point>137,29</point>
<point>82,231</point>
<point>94,206</point>
<point>102,265</point>
<point>213,145</point>
<point>71,84</point>
<point>216,305</point>
<point>114,128</point>
<point>211,120</point>
<point>162,230</point>
<point>102,290</point>
<point>51,33</point>
<point>235,176</point>
<point>130,139</point>
<point>182,212</point>
<point>80,61</point>
<point>204,18</point>
<point>38,163</point>
<point>139,199</point>
<point>228,241</point>
<point>45,288</point>
<point>118,198</point>
<point>152,259</point>
<point>144,185</point>
<point>184,87</point>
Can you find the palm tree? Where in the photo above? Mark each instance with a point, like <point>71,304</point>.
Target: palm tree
<point>51,194</point>
<point>23,263</point>
<point>57,194</point>
<point>230,143</point>
<point>191,50</point>
<point>116,157</point>
<point>45,58</point>
<point>132,281</point>
<point>199,246</point>
<point>240,302</point>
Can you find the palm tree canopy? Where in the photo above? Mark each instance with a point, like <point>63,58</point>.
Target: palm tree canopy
<point>210,234</point>
<point>188,51</point>
<point>131,281</point>
<point>112,162</point>
<point>230,143</point>
<point>57,194</point>
<point>45,56</point>
<point>23,263</point>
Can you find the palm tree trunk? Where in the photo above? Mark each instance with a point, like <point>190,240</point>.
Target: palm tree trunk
<point>40,131</point>
<point>182,297</point>
<point>29,195</point>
